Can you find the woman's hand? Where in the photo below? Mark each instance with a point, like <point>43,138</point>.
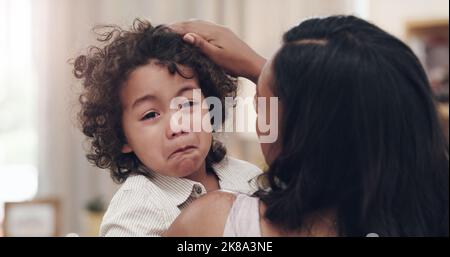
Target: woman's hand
<point>223,47</point>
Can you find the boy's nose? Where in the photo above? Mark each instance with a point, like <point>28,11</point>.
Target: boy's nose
<point>176,128</point>
<point>173,134</point>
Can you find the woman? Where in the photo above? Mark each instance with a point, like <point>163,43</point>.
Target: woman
<point>360,149</point>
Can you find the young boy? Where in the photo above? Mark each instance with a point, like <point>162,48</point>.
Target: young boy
<point>129,84</point>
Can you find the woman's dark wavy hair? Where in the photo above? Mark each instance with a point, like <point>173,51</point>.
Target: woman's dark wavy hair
<point>359,134</point>
<point>104,70</point>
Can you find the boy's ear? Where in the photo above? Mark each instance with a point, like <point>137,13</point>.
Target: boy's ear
<point>126,148</point>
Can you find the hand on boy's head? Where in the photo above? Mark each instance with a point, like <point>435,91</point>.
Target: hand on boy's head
<point>222,46</point>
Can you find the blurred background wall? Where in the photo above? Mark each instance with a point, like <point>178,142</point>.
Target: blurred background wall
<point>41,148</point>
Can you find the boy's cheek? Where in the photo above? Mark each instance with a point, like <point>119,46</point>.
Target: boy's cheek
<point>205,141</point>
<point>205,121</point>
<point>153,159</point>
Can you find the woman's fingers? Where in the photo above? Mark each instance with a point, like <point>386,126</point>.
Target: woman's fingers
<point>201,28</point>
<point>178,27</point>
<point>206,47</point>
<point>222,46</point>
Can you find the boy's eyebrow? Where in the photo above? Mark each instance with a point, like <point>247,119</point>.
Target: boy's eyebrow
<point>149,97</point>
<point>142,99</point>
<point>185,88</point>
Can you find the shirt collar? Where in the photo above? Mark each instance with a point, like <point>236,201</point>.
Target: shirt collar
<point>178,190</point>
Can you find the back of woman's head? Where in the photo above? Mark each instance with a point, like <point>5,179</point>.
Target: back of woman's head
<point>359,133</point>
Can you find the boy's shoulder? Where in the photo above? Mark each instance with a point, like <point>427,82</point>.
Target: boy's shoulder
<point>137,186</point>
<point>135,210</point>
<point>136,183</point>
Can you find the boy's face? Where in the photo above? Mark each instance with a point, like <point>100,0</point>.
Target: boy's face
<point>146,121</point>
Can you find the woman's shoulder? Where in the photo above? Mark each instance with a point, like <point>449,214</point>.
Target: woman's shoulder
<point>206,216</point>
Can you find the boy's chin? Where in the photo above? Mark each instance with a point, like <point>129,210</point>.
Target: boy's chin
<point>185,167</point>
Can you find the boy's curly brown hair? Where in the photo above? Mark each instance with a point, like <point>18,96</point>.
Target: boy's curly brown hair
<point>103,70</point>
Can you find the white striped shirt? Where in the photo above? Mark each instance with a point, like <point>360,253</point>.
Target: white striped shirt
<point>147,206</point>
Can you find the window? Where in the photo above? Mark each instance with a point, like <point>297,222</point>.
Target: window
<point>18,100</point>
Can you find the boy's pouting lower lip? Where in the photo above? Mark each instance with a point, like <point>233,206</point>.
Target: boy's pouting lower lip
<point>125,112</point>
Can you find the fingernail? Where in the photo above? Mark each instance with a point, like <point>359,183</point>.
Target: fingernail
<point>189,38</point>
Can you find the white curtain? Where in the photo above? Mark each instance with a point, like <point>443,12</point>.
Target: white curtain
<point>18,133</point>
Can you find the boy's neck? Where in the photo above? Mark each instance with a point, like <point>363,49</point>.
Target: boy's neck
<point>208,180</point>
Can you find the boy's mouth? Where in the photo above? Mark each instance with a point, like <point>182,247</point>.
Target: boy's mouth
<point>182,150</point>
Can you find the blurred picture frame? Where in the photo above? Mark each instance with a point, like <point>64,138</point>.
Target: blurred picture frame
<point>430,41</point>
<point>36,218</point>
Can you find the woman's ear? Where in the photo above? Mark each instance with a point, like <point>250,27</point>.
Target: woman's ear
<point>126,148</point>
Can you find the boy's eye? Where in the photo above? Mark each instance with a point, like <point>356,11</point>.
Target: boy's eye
<point>150,116</point>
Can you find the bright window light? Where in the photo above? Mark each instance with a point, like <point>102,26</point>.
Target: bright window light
<point>18,100</point>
